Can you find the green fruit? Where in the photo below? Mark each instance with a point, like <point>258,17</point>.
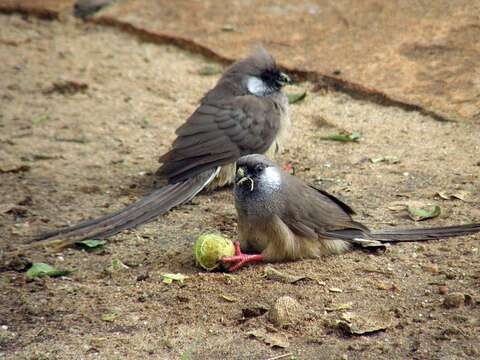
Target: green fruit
<point>210,248</point>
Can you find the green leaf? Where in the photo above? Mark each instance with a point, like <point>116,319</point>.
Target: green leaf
<point>343,137</point>
<point>92,244</point>
<point>209,70</point>
<point>169,278</point>
<point>111,316</point>
<point>386,159</point>
<point>427,212</point>
<point>42,269</point>
<point>118,265</point>
<point>296,97</point>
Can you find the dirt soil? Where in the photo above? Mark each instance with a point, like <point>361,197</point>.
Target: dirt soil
<point>85,111</point>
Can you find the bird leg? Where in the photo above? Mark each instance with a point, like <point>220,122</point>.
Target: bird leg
<point>241,259</point>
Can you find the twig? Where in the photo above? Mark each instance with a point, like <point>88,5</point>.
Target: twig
<point>279,356</point>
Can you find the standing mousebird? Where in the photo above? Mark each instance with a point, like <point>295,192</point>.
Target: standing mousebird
<point>246,112</point>
<point>283,218</point>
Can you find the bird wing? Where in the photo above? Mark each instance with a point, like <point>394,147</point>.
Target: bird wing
<point>220,132</point>
<point>313,213</point>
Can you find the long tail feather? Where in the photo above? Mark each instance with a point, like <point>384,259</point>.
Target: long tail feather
<point>399,235</point>
<point>140,212</point>
<point>403,235</point>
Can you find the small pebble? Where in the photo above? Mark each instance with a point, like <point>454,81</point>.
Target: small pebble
<point>454,300</point>
<point>143,276</point>
<point>286,310</point>
<point>431,268</point>
<point>443,290</point>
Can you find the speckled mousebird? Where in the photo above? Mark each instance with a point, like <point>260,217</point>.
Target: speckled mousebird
<point>280,217</point>
<point>246,112</point>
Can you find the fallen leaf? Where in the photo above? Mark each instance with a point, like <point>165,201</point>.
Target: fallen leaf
<point>339,307</point>
<point>42,269</point>
<point>6,207</point>
<point>92,244</point>
<point>228,28</point>
<point>273,274</point>
<point>386,286</point>
<point>118,265</point>
<point>343,137</point>
<point>335,290</point>
<point>352,324</point>
<point>460,195</point>
<point>169,278</point>
<point>229,298</point>
<point>385,159</point>
<point>37,157</point>
<point>111,316</point>
<point>14,168</point>
<point>209,70</point>
<point>427,212</point>
<point>398,207</point>
<point>294,98</point>
<point>274,340</point>
<point>386,272</point>
<point>80,140</point>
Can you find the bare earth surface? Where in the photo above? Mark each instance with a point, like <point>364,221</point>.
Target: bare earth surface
<point>68,154</point>
<point>418,51</point>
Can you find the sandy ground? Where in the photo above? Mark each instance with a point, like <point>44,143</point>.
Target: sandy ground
<point>66,156</point>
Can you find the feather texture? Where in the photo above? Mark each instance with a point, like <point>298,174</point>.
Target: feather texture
<point>300,221</point>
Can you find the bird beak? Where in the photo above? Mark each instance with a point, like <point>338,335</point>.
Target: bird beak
<point>284,79</point>
<point>241,179</point>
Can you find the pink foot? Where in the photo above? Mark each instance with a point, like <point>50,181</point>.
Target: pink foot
<point>241,259</point>
<point>289,168</point>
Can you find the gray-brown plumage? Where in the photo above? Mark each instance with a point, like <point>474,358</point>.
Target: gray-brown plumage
<point>283,218</point>
<point>246,112</point>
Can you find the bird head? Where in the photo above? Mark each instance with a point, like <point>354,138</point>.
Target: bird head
<point>258,74</point>
<point>256,172</point>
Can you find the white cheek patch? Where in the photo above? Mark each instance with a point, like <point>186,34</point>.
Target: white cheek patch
<point>256,86</point>
<point>271,179</point>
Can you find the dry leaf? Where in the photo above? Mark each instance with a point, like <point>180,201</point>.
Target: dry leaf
<point>335,290</point>
<point>460,195</point>
<point>385,159</point>
<point>13,168</point>
<point>339,307</point>
<point>353,324</point>
<point>274,340</point>
<point>273,274</point>
<point>343,137</point>
<point>5,208</point>
<point>229,298</point>
<point>387,286</point>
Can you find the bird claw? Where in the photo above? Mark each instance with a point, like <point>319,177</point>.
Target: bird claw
<point>240,259</point>
<point>289,168</point>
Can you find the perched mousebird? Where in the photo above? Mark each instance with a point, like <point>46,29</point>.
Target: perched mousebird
<point>283,218</point>
<point>246,112</point>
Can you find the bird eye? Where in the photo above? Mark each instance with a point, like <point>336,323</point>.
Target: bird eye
<point>259,168</point>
